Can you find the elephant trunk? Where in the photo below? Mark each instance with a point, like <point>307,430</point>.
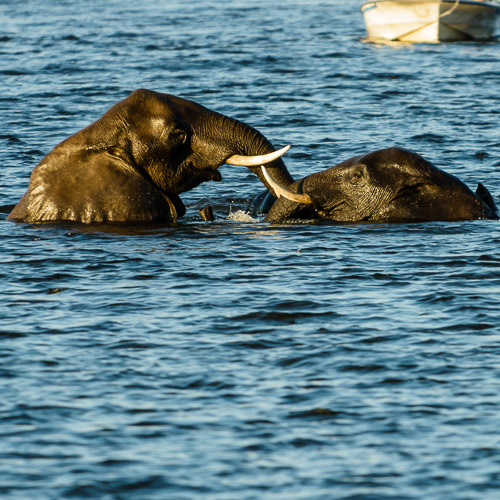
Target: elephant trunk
<point>241,139</point>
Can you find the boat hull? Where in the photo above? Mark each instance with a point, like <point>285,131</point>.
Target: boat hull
<point>430,20</point>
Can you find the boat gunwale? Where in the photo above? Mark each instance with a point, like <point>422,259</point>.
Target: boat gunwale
<point>478,3</point>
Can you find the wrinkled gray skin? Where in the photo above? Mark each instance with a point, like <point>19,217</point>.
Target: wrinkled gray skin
<point>132,163</point>
<point>386,185</point>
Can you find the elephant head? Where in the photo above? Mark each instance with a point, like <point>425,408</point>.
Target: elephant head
<point>387,185</point>
<point>132,163</point>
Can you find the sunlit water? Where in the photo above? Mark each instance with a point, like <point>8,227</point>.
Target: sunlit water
<point>236,359</point>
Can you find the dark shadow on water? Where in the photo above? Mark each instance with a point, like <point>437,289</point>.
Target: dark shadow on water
<point>6,209</point>
<point>403,43</point>
<point>115,229</point>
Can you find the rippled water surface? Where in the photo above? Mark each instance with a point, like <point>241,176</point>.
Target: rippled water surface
<point>234,358</point>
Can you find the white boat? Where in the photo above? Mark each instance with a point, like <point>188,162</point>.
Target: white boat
<point>431,20</point>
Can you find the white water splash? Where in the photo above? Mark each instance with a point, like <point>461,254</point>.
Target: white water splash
<point>241,216</point>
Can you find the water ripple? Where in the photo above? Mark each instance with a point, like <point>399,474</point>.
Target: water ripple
<point>237,359</point>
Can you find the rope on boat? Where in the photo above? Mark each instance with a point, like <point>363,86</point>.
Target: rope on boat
<point>448,12</point>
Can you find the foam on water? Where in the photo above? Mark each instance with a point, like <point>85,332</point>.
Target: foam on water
<point>241,216</point>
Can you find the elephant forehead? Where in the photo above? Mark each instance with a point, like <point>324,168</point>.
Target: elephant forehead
<point>179,107</point>
<point>331,176</point>
<point>157,125</point>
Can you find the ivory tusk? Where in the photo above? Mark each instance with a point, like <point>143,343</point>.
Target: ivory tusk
<point>255,161</point>
<point>173,210</point>
<point>280,191</point>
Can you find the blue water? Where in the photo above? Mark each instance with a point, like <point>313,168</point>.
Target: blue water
<point>236,359</point>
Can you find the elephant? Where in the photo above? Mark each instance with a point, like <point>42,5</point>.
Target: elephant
<point>388,185</point>
<point>133,162</point>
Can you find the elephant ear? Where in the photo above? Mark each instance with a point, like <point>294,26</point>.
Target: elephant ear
<point>97,191</point>
<point>485,196</point>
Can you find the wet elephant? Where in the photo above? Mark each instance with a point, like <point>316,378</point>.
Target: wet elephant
<point>132,163</point>
<point>386,185</point>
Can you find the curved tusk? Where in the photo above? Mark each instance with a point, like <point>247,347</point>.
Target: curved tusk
<point>255,161</point>
<point>280,191</point>
<point>173,210</point>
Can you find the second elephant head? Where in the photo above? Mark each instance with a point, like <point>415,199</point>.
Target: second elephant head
<point>387,185</point>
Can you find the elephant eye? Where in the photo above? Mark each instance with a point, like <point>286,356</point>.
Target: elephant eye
<point>177,136</point>
<point>356,177</point>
